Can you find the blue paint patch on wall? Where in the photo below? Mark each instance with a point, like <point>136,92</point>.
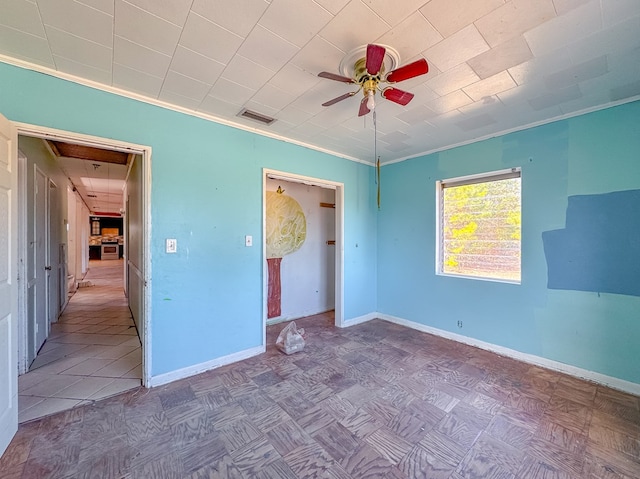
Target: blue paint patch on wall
<point>599,250</point>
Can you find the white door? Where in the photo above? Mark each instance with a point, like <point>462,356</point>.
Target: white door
<point>8,290</point>
<point>37,271</point>
<point>53,254</point>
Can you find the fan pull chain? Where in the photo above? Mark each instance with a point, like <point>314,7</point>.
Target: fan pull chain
<point>375,154</point>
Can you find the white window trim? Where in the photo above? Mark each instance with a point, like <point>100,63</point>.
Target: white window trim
<point>465,180</point>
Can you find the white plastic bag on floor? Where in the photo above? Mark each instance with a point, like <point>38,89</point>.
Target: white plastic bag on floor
<point>291,339</point>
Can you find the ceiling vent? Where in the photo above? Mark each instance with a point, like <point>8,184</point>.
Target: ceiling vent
<point>255,116</point>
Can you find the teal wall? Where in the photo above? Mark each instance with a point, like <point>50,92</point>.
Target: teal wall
<point>207,193</point>
<point>591,154</point>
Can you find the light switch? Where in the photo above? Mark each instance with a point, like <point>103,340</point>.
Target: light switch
<point>248,240</point>
<point>172,245</point>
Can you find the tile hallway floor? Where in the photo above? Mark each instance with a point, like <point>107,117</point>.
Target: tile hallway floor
<point>92,352</point>
<point>375,400</point>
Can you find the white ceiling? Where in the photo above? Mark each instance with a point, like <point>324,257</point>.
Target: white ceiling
<point>99,184</point>
<point>495,65</point>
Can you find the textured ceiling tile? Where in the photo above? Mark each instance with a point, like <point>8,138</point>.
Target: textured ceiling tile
<point>490,86</point>
<point>185,86</point>
<point>23,16</point>
<point>394,136</point>
<point>281,127</point>
<point>273,97</point>
<point>569,28</point>
<point>453,79</point>
<point>83,71</point>
<point>135,81</point>
<point>140,58</point>
<point>411,37</point>
<point>174,11</point>
<point>501,57</point>
<point>294,115</point>
<point>333,6</point>
<point>488,104</point>
<point>607,41</point>
<point>394,12</point>
<point>318,55</point>
<point>80,50</point>
<point>423,93</point>
<point>555,98</point>
<point>577,73</point>
<point>192,64</point>
<point>179,100</point>
<point>513,19</point>
<point>231,92</point>
<point>209,39</point>
<point>157,34</point>
<point>563,6</point>
<point>341,32</point>
<point>219,108</point>
<point>267,49</point>
<point>475,122</point>
<point>627,90</point>
<point>25,46</point>
<point>294,80</point>
<point>456,49</point>
<point>247,73</point>
<point>448,17</point>
<point>537,68</point>
<point>416,114</point>
<point>619,11</point>
<point>106,6</point>
<point>238,18</point>
<point>449,102</point>
<point>96,26</point>
<point>312,101</point>
<point>284,19</point>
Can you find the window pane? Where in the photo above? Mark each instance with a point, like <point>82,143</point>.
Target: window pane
<point>481,229</point>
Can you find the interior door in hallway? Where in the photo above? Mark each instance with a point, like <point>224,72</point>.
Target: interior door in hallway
<point>8,290</point>
<point>53,253</point>
<point>37,272</point>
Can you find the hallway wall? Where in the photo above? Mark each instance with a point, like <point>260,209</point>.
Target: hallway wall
<point>38,156</point>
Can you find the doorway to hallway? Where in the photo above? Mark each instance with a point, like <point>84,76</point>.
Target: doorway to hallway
<point>92,352</point>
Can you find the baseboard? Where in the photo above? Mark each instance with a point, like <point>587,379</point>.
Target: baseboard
<point>283,319</point>
<point>615,383</point>
<point>358,320</point>
<point>169,377</point>
<point>280,319</point>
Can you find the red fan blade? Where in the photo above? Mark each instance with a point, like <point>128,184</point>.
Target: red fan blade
<point>398,96</point>
<point>411,70</point>
<point>333,76</point>
<point>375,56</point>
<point>363,107</point>
<point>340,98</point>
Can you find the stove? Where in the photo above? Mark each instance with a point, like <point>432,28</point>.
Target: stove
<point>109,250</point>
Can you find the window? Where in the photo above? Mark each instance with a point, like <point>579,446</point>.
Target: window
<point>479,226</point>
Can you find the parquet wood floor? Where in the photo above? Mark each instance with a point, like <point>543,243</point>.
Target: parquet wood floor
<point>375,400</point>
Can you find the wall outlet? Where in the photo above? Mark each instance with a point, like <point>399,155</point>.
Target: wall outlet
<point>248,240</point>
<point>172,245</point>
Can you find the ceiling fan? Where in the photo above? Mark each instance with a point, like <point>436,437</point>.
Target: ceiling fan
<point>369,72</point>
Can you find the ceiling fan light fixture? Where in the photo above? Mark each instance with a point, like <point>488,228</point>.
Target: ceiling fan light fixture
<point>371,102</point>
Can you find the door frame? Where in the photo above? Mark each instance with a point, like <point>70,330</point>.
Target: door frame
<point>37,131</point>
<point>339,231</point>
<point>21,234</point>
